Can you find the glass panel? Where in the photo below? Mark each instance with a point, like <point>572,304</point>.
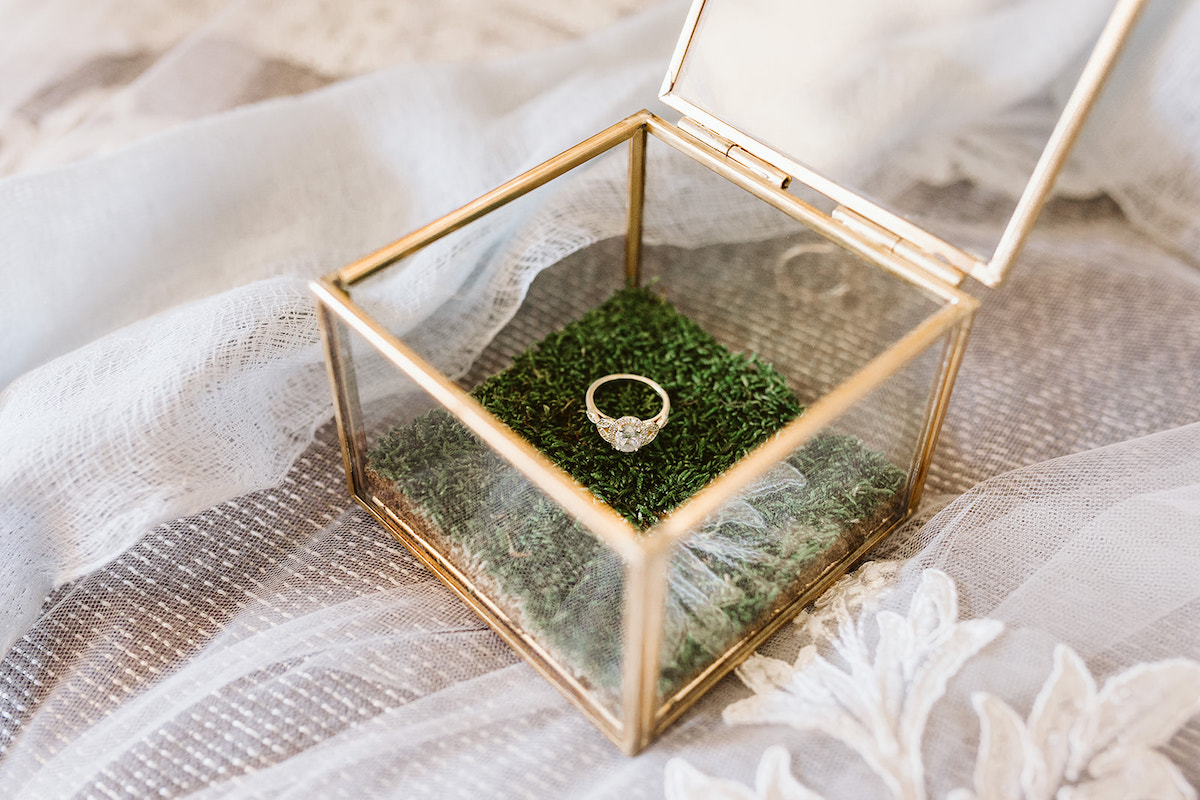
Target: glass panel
<point>855,89</point>
<point>791,317</point>
<point>542,575</point>
<point>751,560</point>
<point>448,300</point>
<point>763,284</point>
<point>471,304</point>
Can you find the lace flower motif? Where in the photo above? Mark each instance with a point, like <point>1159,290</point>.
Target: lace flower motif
<point>1084,744</point>
<point>1079,742</point>
<point>879,703</point>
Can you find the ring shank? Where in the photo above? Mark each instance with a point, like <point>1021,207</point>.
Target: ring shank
<point>659,419</point>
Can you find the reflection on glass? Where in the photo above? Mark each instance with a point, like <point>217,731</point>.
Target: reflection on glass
<point>857,88</point>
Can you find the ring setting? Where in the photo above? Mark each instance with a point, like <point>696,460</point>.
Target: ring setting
<point>627,433</point>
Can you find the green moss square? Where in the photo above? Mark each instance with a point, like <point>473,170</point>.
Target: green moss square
<point>723,404</point>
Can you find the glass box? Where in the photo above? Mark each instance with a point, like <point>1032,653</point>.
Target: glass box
<point>808,342</point>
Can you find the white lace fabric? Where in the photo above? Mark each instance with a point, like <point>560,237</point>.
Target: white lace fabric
<point>1058,633</point>
<point>222,621</point>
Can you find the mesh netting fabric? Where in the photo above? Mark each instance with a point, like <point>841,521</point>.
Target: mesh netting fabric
<point>1096,551</point>
<point>279,643</point>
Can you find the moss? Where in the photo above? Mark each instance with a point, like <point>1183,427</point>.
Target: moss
<point>566,585</point>
<point>723,404</point>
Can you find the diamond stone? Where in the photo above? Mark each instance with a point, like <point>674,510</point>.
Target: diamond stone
<point>629,435</point>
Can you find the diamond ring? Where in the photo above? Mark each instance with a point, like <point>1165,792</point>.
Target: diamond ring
<point>627,433</point>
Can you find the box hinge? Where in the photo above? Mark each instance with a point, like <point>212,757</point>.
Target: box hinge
<point>882,237</point>
<point>733,152</point>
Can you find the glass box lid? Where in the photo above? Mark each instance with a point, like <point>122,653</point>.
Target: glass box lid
<point>832,94</point>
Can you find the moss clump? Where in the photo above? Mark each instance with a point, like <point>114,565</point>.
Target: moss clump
<point>566,585</point>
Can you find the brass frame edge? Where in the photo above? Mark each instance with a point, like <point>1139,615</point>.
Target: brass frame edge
<point>642,620</point>
<point>637,205</point>
<point>1092,78</point>
<point>939,405</point>
<point>681,48</point>
<point>345,400</point>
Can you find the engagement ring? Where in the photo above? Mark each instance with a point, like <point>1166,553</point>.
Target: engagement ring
<point>627,433</point>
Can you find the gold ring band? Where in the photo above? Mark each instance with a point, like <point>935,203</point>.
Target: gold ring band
<point>627,433</point>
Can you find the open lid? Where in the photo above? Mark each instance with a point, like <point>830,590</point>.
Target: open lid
<point>826,92</point>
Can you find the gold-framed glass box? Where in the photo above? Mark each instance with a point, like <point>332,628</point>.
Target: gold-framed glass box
<point>705,242</point>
